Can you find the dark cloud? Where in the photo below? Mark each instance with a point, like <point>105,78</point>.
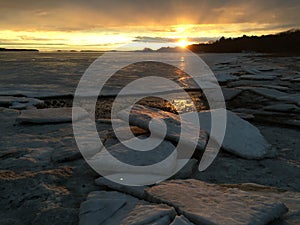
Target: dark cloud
<point>271,27</point>
<point>146,39</point>
<point>31,44</point>
<point>99,14</point>
<point>152,39</point>
<point>32,38</point>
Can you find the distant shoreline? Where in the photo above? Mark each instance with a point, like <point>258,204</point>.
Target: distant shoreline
<point>17,50</point>
<point>284,43</point>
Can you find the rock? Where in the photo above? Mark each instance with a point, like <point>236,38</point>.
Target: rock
<point>6,101</point>
<point>242,83</point>
<point>136,179</point>
<point>7,117</point>
<point>245,116</point>
<point>291,98</point>
<point>163,156</point>
<point>9,221</point>
<point>265,69</point>
<point>34,93</point>
<point>57,216</point>
<point>141,116</point>
<point>258,77</point>
<point>241,137</point>
<point>106,195</point>
<point>295,80</point>
<point>19,102</point>
<point>272,117</point>
<point>184,169</point>
<point>187,170</point>
<point>110,141</point>
<point>277,87</point>
<point>18,106</point>
<point>109,121</point>
<point>282,108</point>
<point>51,115</point>
<point>291,78</point>
<point>116,208</point>
<point>163,221</point>
<point>181,220</point>
<point>139,191</point>
<point>96,211</point>
<point>251,70</point>
<point>136,191</point>
<point>87,137</point>
<point>34,102</point>
<point>204,203</point>
<point>224,78</point>
<point>65,155</point>
<point>126,136</point>
<point>268,93</point>
<point>146,214</point>
<point>230,93</point>
<point>39,155</point>
<point>257,70</point>
<point>289,198</point>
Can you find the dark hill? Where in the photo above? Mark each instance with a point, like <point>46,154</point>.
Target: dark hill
<point>285,42</point>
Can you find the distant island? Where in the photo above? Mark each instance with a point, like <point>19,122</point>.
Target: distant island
<point>285,42</point>
<point>163,49</point>
<point>17,50</point>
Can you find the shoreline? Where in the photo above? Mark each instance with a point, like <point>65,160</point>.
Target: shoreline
<point>45,180</point>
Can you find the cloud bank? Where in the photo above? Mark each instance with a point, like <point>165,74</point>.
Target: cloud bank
<point>71,15</point>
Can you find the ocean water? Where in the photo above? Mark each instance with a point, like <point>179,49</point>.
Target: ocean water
<point>53,73</point>
<point>23,72</point>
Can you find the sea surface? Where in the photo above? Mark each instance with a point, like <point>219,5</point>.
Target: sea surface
<point>24,72</point>
<point>52,72</point>
<point>40,74</point>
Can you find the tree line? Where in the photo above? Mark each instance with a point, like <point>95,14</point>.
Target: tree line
<point>284,42</point>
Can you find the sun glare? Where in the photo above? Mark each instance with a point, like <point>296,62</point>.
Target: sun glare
<point>182,43</point>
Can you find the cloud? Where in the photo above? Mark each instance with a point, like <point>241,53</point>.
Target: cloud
<point>107,23</point>
<point>145,39</point>
<point>33,38</point>
<point>30,44</point>
<point>72,15</point>
<point>152,39</point>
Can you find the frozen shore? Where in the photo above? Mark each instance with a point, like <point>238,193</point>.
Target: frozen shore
<point>45,180</point>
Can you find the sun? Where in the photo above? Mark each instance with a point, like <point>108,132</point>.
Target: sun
<point>182,43</point>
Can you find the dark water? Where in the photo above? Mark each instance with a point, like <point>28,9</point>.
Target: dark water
<point>27,71</point>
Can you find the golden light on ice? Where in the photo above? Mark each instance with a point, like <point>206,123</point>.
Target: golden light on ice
<point>182,43</point>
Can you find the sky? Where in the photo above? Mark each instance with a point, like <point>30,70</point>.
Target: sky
<point>111,24</point>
